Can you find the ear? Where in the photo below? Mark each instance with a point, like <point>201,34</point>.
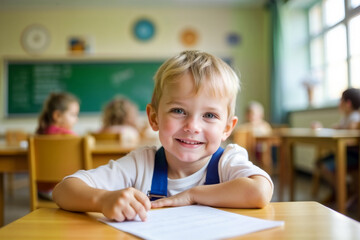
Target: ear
<point>229,128</point>
<point>56,116</point>
<point>152,117</point>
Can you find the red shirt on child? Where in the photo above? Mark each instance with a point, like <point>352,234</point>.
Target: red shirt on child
<point>52,129</point>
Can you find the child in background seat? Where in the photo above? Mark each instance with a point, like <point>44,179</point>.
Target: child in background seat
<point>58,116</point>
<point>349,106</point>
<point>120,116</point>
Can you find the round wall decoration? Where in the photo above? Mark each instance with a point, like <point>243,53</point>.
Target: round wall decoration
<point>233,39</point>
<point>35,38</point>
<point>189,37</point>
<point>144,29</point>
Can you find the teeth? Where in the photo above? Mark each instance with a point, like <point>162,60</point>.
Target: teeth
<point>193,143</point>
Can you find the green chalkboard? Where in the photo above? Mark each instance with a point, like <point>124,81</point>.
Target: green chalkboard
<point>94,83</point>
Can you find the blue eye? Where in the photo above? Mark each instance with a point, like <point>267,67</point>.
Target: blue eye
<point>209,115</point>
<point>177,111</point>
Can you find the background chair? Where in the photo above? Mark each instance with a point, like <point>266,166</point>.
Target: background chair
<point>51,158</point>
<point>106,137</point>
<point>245,138</point>
<point>15,137</point>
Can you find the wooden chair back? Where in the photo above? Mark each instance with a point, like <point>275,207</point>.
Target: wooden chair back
<point>51,158</point>
<point>245,138</point>
<point>107,137</point>
<point>14,137</point>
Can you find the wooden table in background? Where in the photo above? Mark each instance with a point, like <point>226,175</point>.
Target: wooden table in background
<point>13,159</point>
<point>303,220</point>
<point>335,140</point>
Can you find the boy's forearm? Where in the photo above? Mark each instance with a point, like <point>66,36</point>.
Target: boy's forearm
<point>74,195</point>
<point>252,192</point>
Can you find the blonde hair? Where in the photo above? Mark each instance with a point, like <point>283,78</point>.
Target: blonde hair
<point>54,102</point>
<point>119,112</point>
<point>206,69</point>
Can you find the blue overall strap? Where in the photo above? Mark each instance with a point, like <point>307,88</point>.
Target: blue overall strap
<point>212,174</point>
<point>159,180</point>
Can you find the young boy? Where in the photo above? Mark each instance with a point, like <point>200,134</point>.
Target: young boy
<point>193,108</point>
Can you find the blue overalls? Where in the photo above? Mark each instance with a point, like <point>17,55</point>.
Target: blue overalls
<point>159,180</point>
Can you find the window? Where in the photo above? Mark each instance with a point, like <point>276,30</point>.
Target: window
<point>334,11</point>
<point>354,3</point>
<point>334,46</point>
<point>354,40</point>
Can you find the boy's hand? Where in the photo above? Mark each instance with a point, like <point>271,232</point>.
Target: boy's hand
<point>125,204</point>
<point>181,199</point>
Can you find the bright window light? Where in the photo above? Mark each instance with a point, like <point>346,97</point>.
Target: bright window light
<point>355,71</point>
<point>355,3</point>
<point>354,35</point>
<point>315,20</point>
<point>335,44</point>
<point>316,52</point>
<point>334,11</point>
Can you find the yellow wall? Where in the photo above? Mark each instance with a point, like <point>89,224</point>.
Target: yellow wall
<point>111,31</point>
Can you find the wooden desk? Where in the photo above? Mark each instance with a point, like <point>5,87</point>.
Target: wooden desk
<point>336,140</point>
<point>15,159</point>
<point>12,160</point>
<point>303,220</point>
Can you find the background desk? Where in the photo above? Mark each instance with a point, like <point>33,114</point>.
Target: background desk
<point>335,140</point>
<point>303,220</point>
<point>15,159</point>
<point>12,160</point>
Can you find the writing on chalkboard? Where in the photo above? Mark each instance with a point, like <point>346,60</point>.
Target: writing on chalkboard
<point>48,78</point>
<point>94,83</point>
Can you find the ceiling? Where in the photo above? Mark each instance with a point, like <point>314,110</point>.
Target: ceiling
<point>8,4</point>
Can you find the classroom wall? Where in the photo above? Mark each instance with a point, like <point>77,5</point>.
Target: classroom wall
<point>112,38</point>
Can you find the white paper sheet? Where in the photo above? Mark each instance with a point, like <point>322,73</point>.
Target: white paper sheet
<point>193,222</point>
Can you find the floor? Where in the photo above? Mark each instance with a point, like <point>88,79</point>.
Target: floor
<point>17,203</point>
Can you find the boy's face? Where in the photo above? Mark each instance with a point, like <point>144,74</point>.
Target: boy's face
<point>191,127</point>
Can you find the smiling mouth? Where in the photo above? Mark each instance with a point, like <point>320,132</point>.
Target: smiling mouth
<point>189,142</point>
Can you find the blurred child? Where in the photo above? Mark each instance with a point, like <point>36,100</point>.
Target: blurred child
<point>58,116</point>
<point>121,116</point>
<point>349,108</point>
<point>192,108</point>
<point>255,119</point>
<point>257,126</point>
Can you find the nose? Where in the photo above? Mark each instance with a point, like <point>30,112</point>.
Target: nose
<point>192,125</point>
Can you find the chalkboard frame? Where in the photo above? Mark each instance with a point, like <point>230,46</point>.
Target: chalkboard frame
<point>155,63</point>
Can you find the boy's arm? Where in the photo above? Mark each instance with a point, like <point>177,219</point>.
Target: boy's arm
<point>75,195</point>
<point>246,192</point>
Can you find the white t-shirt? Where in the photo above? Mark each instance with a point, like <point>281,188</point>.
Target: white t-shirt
<point>136,170</point>
<point>346,121</point>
